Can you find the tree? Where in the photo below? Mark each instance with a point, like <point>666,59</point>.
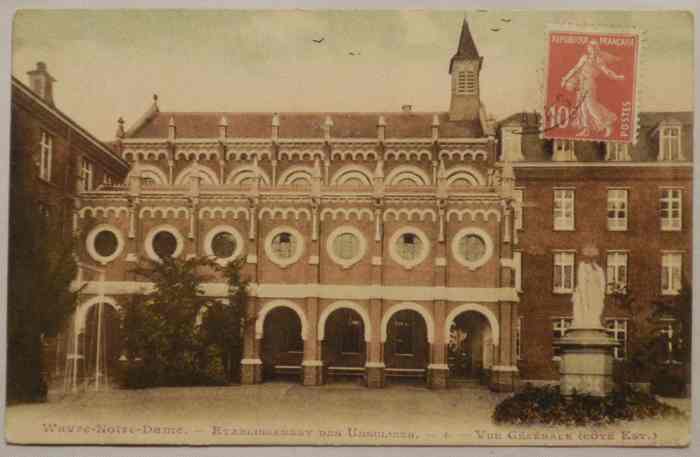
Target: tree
<point>176,335</point>
<point>223,323</point>
<point>664,351</point>
<point>41,269</point>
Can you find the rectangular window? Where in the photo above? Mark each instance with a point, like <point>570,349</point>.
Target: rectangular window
<point>559,327</point>
<point>45,156</point>
<point>617,209</point>
<point>518,270</point>
<point>670,143</point>
<point>617,152</point>
<point>617,329</point>
<point>671,271</point>
<point>518,196</point>
<point>564,151</point>
<point>617,272</point>
<point>670,209</point>
<point>564,209</point>
<point>563,272</point>
<point>86,174</point>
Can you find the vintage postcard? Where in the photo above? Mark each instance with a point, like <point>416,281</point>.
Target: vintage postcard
<point>378,228</point>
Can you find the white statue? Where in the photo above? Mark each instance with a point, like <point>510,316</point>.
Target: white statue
<point>589,297</point>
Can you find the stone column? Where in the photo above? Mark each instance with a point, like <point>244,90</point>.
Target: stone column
<point>312,365</point>
<point>438,369</point>
<point>251,364</point>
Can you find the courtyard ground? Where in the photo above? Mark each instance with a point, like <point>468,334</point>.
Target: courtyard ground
<point>286,413</point>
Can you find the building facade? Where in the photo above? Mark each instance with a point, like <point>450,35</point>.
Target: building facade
<point>432,246</point>
<point>53,160</point>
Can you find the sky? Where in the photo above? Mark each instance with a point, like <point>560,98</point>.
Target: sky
<point>109,63</point>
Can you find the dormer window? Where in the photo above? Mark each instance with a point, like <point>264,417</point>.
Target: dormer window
<point>670,143</point>
<point>564,151</point>
<point>512,144</point>
<point>617,152</point>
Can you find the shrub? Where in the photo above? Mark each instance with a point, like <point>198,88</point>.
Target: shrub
<point>668,384</point>
<point>546,406</point>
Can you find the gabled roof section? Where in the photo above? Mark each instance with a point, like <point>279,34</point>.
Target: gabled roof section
<point>152,111</point>
<point>305,125</point>
<point>102,147</point>
<point>466,49</point>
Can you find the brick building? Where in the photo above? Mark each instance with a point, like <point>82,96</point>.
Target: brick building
<point>68,159</point>
<point>64,160</point>
<point>435,246</point>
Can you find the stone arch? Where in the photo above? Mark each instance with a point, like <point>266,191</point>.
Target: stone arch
<point>208,175</point>
<point>149,171</point>
<point>352,171</point>
<point>463,172</point>
<point>427,317</point>
<point>481,309</point>
<point>244,172</point>
<point>82,310</point>
<point>294,173</point>
<point>349,305</point>
<point>269,306</point>
<point>408,172</point>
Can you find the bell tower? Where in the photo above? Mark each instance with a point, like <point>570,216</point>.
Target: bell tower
<point>465,67</point>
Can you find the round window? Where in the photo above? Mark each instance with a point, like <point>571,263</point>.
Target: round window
<point>346,246</point>
<point>284,245</point>
<point>106,243</point>
<point>223,245</point>
<point>472,247</point>
<point>409,246</point>
<point>164,244</point>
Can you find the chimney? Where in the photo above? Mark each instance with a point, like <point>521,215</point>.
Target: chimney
<point>406,108</point>
<point>41,82</point>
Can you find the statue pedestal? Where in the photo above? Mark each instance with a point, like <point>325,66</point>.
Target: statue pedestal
<point>586,362</point>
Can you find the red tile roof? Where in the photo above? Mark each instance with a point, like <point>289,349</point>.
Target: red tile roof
<point>305,125</point>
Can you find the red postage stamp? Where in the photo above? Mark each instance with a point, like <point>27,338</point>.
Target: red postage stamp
<point>591,85</point>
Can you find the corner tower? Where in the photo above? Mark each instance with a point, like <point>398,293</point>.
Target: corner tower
<point>465,67</point>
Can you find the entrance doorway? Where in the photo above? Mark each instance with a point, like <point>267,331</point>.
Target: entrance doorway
<point>282,345</point>
<point>469,350</point>
<point>103,345</point>
<point>406,347</point>
<point>344,348</point>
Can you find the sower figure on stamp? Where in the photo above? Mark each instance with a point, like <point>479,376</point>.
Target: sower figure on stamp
<point>589,296</point>
<point>591,113</point>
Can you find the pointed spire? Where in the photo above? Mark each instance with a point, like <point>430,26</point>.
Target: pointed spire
<point>120,128</point>
<point>155,103</point>
<point>223,126</point>
<point>171,128</point>
<point>435,127</point>
<point>466,49</point>
<point>275,126</point>
<point>327,125</point>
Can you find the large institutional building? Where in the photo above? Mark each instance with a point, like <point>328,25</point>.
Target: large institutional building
<point>388,245</point>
